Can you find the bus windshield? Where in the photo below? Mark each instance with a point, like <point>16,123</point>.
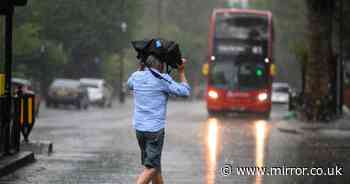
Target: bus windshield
<point>241,26</point>
<point>241,76</point>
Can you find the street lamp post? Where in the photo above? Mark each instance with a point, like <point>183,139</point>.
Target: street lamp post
<point>8,77</point>
<point>124,27</point>
<point>341,55</point>
<point>44,83</point>
<point>340,62</point>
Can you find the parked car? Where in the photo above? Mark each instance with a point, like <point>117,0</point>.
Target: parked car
<point>280,92</point>
<point>27,88</point>
<point>99,91</point>
<point>67,92</point>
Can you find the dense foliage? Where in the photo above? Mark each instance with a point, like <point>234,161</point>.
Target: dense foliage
<point>63,38</point>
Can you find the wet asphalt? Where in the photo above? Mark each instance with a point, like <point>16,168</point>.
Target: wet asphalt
<point>98,146</point>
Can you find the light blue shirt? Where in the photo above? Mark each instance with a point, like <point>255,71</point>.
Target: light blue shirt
<point>150,99</point>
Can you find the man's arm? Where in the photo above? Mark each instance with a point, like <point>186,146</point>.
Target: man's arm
<point>178,89</point>
<point>182,75</point>
<point>131,82</point>
<point>182,88</point>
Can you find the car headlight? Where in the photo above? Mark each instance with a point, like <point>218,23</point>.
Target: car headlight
<point>262,97</point>
<point>213,94</point>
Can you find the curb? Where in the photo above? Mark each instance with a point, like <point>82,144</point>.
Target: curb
<point>38,147</point>
<point>298,129</point>
<point>11,163</point>
<point>286,125</point>
<point>290,131</point>
<point>294,126</point>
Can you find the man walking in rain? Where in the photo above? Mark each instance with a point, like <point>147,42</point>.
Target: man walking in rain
<point>150,103</point>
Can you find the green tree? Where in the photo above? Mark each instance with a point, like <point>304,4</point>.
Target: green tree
<point>26,39</point>
<point>74,36</point>
<point>318,94</point>
<point>87,29</point>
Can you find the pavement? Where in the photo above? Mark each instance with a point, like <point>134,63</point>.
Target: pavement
<point>340,126</point>
<point>316,144</point>
<point>38,147</point>
<point>9,164</point>
<point>98,146</point>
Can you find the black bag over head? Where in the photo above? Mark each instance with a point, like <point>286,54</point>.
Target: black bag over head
<point>166,51</point>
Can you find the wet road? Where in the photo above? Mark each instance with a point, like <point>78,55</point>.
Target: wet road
<point>99,146</point>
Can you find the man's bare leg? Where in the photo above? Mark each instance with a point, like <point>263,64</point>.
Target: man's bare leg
<point>157,179</point>
<point>146,176</point>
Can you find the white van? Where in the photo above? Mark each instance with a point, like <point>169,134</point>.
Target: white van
<point>98,91</point>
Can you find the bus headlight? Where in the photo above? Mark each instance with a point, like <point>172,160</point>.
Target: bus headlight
<point>213,94</point>
<point>262,97</point>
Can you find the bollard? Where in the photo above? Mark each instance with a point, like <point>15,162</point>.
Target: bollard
<point>2,84</point>
<point>290,102</point>
<point>25,114</point>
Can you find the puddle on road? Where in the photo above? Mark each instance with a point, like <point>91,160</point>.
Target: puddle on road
<point>213,129</point>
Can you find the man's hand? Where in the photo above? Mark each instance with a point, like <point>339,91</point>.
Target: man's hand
<point>182,66</point>
<point>181,70</point>
<point>141,66</point>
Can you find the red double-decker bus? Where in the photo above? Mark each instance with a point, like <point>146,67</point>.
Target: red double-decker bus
<point>240,61</point>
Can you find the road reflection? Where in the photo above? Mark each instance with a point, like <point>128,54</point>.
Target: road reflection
<point>212,148</point>
<point>260,127</point>
<point>252,136</point>
<point>260,138</point>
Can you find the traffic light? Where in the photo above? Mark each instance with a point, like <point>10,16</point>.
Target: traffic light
<point>6,6</point>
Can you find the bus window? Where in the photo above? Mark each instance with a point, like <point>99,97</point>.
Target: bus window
<point>252,75</point>
<point>238,76</point>
<point>223,75</point>
<point>241,27</point>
